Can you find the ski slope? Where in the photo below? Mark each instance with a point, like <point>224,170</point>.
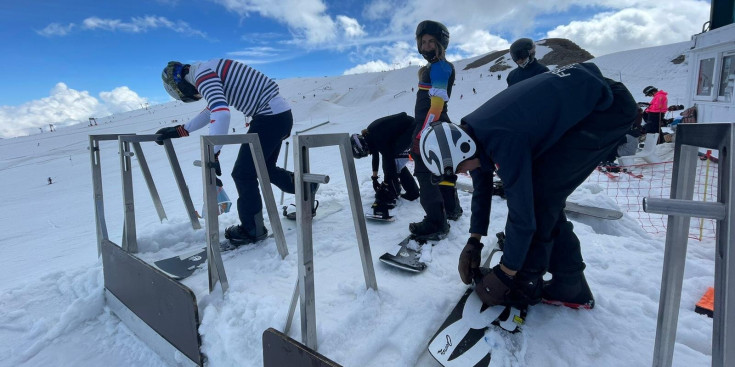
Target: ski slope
<point>51,301</point>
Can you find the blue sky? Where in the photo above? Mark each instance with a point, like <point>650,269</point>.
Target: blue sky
<point>68,60</point>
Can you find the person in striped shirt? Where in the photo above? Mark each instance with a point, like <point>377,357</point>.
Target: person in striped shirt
<point>225,85</point>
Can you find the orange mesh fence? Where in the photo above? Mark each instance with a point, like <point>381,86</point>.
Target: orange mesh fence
<point>629,186</point>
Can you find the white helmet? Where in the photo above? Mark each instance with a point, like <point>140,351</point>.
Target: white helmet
<point>444,146</point>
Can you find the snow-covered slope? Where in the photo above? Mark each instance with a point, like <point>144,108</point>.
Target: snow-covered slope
<point>53,310</point>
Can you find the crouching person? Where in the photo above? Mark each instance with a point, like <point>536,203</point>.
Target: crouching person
<point>543,137</point>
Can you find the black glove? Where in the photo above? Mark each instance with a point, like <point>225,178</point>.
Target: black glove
<point>494,287</point>
<point>376,183</point>
<point>217,168</point>
<point>469,259</point>
<point>170,133</point>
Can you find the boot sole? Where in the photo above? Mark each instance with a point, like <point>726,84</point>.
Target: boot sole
<point>576,306</point>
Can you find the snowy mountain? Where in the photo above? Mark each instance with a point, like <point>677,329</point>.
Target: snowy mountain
<point>52,303</point>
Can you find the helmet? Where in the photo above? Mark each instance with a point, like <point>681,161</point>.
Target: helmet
<point>360,147</point>
<point>523,48</point>
<point>436,29</point>
<point>649,90</point>
<point>176,86</point>
<point>444,146</point>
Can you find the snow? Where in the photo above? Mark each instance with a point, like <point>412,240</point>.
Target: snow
<point>51,296</point>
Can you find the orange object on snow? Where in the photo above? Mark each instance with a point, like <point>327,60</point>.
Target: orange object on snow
<point>706,305</point>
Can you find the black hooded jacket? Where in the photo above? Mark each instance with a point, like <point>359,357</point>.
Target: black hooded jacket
<point>519,124</point>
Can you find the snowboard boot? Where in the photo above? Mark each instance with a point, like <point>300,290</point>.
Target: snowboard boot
<point>381,210</point>
<point>238,235</point>
<point>528,289</point>
<point>428,231</point>
<point>456,214</point>
<point>568,289</point>
<point>289,211</point>
<point>386,196</point>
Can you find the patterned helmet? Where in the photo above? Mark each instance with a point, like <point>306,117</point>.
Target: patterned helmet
<point>444,146</point>
<point>176,86</point>
<point>360,147</point>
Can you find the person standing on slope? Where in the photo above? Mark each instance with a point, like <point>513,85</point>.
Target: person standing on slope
<point>654,114</point>
<point>440,202</point>
<point>523,53</point>
<point>226,84</point>
<point>543,145</point>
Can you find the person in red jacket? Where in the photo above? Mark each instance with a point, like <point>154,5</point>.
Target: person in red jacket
<point>654,114</point>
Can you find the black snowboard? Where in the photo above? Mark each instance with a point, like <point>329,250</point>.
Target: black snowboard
<point>182,266</point>
<point>406,258</point>
<point>379,218</point>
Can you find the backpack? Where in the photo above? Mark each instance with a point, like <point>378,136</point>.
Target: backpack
<point>689,116</point>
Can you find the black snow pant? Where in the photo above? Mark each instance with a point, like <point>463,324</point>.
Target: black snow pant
<point>271,130</point>
<point>408,183</point>
<point>436,200</point>
<point>559,171</point>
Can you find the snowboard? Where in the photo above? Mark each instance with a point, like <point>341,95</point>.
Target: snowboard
<point>475,335</point>
<point>408,256</point>
<point>379,218</point>
<point>592,211</point>
<point>182,266</point>
<point>322,209</point>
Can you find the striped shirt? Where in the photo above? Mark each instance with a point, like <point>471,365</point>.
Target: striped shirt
<point>224,83</point>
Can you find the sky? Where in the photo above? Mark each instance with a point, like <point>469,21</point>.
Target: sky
<point>68,61</point>
<point>54,313</point>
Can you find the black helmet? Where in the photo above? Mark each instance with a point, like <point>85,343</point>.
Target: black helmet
<point>649,90</point>
<point>174,83</point>
<point>360,147</point>
<point>436,29</point>
<point>522,48</point>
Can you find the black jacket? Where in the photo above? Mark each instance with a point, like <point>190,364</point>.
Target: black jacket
<point>515,127</point>
<point>519,74</point>
<point>389,136</point>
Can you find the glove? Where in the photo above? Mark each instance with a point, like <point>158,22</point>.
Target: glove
<point>170,133</point>
<point>376,183</point>
<point>494,287</point>
<point>469,259</point>
<point>217,168</point>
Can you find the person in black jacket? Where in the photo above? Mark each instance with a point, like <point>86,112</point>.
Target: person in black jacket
<point>543,144</point>
<point>523,53</point>
<point>388,138</point>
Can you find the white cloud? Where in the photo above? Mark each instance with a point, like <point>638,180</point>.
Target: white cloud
<point>350,26</point>
<point>630,28</point>
<point>64,106</point>
<point>140,25</point>
<point>56,29</point>
<point>369,67</point>
<point>306,19</point>
<point>122,99</point>
<point>135,25</point>
<point>399,54</point>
